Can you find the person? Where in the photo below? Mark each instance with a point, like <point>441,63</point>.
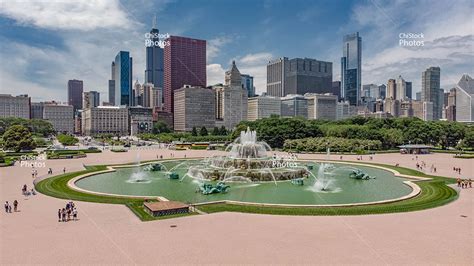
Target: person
<point>68,214</point>
<point>340,158</point>
<point>9,208</point>
<point>15,205</point>
<point>458,181</point>
<point>59,215</point>
<point>6,206</point>
<point>63,214</point>
<point>74,214</point>
<point>33,192</point>
<point>161,156</point>
<point>64,170</point>
<point>470,183</point>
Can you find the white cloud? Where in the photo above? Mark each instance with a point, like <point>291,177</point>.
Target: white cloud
<point>215,74</point>
<point>215,45</point>
<point>81,15</point>
<point>448,37</point>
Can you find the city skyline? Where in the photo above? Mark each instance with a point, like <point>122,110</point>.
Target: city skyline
<point>44,55</point>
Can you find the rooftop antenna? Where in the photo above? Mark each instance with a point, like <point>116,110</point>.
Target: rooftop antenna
<point>154,22</point>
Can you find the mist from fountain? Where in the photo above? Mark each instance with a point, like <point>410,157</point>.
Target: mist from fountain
<point>138,176</point>
<point>323,181</point>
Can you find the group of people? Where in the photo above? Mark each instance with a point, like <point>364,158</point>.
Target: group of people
<point>64,214</point>
<point>26,192</point>
<point>420,166</point>
<point>8,206</point>
<point>457,170</point>
<point>464,183</point>
<point>34,173</point>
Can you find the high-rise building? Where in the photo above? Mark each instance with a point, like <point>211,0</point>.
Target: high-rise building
<point>105,119</point>
<point>418,96</point>
<point>231,99</point>
<point>391,89</point>
<point>430,90</point>
<point>464,97</point>
<point>60,116</point>
<point>451,105</point>
<point>75,88</point>
<point>185,64</point>
<point>15,106</point>
<point>194,107</point>
<point>408,90</point>
<point>262,107</point>
<point>247,82</point>
<point>371,90</point>
<point>112,92</point>
<point>392,106</point>
<point>294,105</point>
<point>322,106</point>
<point>298,76</point>
<point>123,79</point>
<point>351,69</point>
<point>401,89</point>
<point>336,88</point>
<point>90,99</point>
<point>382,91</point>
<point>37,110</point>
<point>154,59</point>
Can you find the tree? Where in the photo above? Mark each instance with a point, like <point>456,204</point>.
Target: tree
<point>17,138</point>
<point>194,132</point>
<point>215,131</point>
<point>223,131</point>
<point>160,127</point>
<point>67,140</point>
<point>203,131</point>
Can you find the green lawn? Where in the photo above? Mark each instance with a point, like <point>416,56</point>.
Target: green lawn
<point>57,187</point>
<point>434,193</point>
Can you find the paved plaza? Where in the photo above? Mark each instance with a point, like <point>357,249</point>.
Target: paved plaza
<point>112,234</point>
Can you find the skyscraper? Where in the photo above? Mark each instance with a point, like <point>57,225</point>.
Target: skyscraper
<point>90,99</point>
<point>408,90</point>
<point>154,60</point>
<point>464,99</point>
<point>184,64</point>
<point>123,79</point>
<point>74,93</point>
<point>392,89</point>
<point>430,89</point>
<point>298,76</point>
<point>247,82</point>
<point>112,84</point>
<point>351,62</point>
<point>401,87</point>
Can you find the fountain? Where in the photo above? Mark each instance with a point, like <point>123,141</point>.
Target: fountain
<point>248,158</point>
<point>323,181</point>
<point>138,176</point>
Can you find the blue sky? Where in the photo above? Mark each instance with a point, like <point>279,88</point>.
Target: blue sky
<point>45,43</point>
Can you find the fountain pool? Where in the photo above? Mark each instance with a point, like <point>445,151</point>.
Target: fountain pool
<point>341,190</point>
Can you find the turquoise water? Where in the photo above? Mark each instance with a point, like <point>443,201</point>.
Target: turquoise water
<point>344,189</point>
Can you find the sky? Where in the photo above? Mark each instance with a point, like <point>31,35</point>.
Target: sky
<point>43,44</point>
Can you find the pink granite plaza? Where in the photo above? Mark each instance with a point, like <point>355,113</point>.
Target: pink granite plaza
<point>112,234</point>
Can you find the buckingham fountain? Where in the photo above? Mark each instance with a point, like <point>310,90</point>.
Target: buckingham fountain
<point>249,171</point>
<point>248,160</point>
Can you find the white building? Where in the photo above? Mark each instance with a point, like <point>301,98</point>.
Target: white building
<point>294,105</point>
<point>105,119</point>
<point>262,107</point>
<point>61,116</point>
<point>322,106</point>
<point>465,99</point>
<point>15,106</point>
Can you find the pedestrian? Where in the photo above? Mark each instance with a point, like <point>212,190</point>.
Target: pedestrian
<point>59,215</point>
<point>470,183</point>
<point>64,170</point>
<point>9,208</point>
<point>458,180</point>
<point>15,206</point>
<point>68,214</point>
<point>63,214</point>
<point>74,214</point>
<point>6,206</point>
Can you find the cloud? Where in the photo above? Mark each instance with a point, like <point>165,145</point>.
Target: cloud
<point>448,39</point>
<point>215,45</point>
<point>83,15</point>
<point>215,74</point>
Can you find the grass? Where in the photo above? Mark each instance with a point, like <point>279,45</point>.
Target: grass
<point>434,193</point>
<point>465,156</point>
<point>57,187</point>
